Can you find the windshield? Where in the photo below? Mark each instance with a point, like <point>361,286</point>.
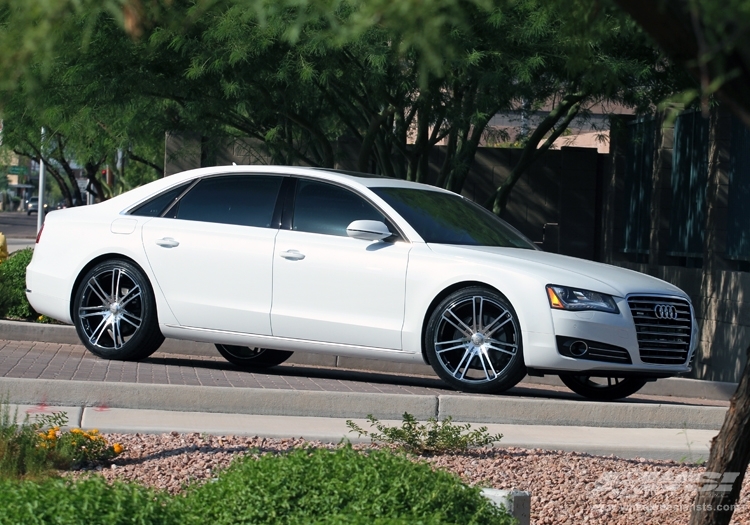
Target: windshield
<point>446,218</point>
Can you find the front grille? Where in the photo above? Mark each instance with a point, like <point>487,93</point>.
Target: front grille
<point>662,341</point>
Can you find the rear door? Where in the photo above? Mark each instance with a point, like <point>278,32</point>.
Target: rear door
<point>212,253</point>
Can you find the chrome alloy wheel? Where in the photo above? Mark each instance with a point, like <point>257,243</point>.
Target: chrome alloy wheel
<point>476,339</point>
<point>111,308</point>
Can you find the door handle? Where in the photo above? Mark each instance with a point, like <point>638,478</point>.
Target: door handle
<point>292,255</point>
<point>167,242</point>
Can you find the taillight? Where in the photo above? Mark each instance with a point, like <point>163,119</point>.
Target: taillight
<point>39,235</point>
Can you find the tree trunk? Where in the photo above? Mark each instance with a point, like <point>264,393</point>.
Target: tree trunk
<point>720,486</point>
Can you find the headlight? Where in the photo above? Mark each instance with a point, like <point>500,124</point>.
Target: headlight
<point>565,298</point>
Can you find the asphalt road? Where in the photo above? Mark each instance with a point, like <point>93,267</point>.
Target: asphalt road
<point>18,225</point>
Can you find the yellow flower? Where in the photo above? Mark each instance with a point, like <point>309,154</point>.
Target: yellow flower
<point>94,431</point>
<point>76,431</point>
<point>40,318</point>
<point>117,448</point>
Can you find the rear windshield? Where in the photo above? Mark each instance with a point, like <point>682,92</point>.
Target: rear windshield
<point>445,218</point>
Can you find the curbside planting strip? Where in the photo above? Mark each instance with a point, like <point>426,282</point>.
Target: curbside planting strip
<point>471,409</point>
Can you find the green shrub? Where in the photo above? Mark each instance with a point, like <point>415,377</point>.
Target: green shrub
<point>13,302</point>
<point>435,437</point>
<point>341,487</point>
<point>90,501</point>
<point>20,454</point>
<point>36,449</point>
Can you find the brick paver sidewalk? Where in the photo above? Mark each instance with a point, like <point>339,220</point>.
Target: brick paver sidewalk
<point>54,361</point>
<point>30,360</point>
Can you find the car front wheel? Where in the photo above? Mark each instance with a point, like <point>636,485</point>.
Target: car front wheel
<point>602,388</point>
<point>473,341</point>
<point>114,312</point>
<point>248,358</point>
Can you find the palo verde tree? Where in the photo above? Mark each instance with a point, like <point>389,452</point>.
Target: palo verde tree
<point>87,119</point>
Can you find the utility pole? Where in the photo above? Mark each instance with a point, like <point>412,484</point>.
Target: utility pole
<point>40,213</point>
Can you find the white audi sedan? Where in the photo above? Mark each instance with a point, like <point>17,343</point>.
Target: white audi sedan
<point>264,261</point>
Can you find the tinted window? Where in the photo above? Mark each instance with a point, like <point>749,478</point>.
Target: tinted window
<point>245,200</point>
<point>325,208</point>
<point>157,205</point>
<point>445,218</point>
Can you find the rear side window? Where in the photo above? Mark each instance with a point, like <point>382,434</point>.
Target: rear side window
<point>156,206</point>
<point>328,209</point>
<point>245,200</point>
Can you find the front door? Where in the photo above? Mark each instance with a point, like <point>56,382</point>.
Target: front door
<point>333,288</point>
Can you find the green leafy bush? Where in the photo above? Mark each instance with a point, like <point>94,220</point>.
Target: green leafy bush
<point>13,302</point>
<point>35,449</point>
<point>341,487</point>
<point>91,501</point>
<point>435,437</point>
<point>20,454</point>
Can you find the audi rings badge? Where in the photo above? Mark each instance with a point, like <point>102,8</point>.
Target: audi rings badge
<point>665,311</point>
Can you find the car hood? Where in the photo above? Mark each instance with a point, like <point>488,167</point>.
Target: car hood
<point>555,266</point>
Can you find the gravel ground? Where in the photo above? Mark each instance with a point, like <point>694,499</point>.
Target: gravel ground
<point>566,488</point>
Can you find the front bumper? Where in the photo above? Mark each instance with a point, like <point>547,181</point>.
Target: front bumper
<point>613,339</point>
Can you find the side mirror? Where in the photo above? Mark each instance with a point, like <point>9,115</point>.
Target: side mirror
<point>368,230</point>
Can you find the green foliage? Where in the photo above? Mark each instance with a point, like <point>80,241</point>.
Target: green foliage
<point>336,487</point>
<point>35,448</point>
<point>431,438</point>
<point>92,501</point>
<point>20,455</point>
<point>13,302</point>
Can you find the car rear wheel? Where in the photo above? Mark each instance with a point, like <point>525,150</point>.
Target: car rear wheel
<point>473,341</point>
<point>114,312</point>
<point>602,388</point>
<point>247,358</point>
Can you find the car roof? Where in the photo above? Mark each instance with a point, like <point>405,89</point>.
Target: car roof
<point>347,178</point>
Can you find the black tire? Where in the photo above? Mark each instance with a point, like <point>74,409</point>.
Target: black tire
<point>248,358</point>
<point>602,388</point>
<point>473,341</point>
<point>114,312</point>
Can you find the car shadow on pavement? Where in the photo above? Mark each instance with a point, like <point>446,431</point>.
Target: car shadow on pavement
<point>434,385</point>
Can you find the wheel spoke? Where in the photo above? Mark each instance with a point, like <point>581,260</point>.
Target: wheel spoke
<point>99,311</point>
<point>489,362</point>
<point>133,293</point>
<point>502,343</point>
<point>116,285</point>
<point>461,340</point>
<point>100,330</point>
<point>461,326</point>
<point>99,293</point>
<point>480,355</point>
<point>125,316</point>
<point>474,324</point>
<point>116,334</point>
<point>451,348</point>
<point>491,346</point>
<point>458,368</point>
<point>490,330</point>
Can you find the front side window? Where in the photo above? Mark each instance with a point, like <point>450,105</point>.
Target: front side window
<point>329,209</point>
<point>446,218</point>
<point>244,200</point>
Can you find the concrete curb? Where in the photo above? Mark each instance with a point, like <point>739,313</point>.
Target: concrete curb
<point>472,409</point>
<point>65,334</point>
